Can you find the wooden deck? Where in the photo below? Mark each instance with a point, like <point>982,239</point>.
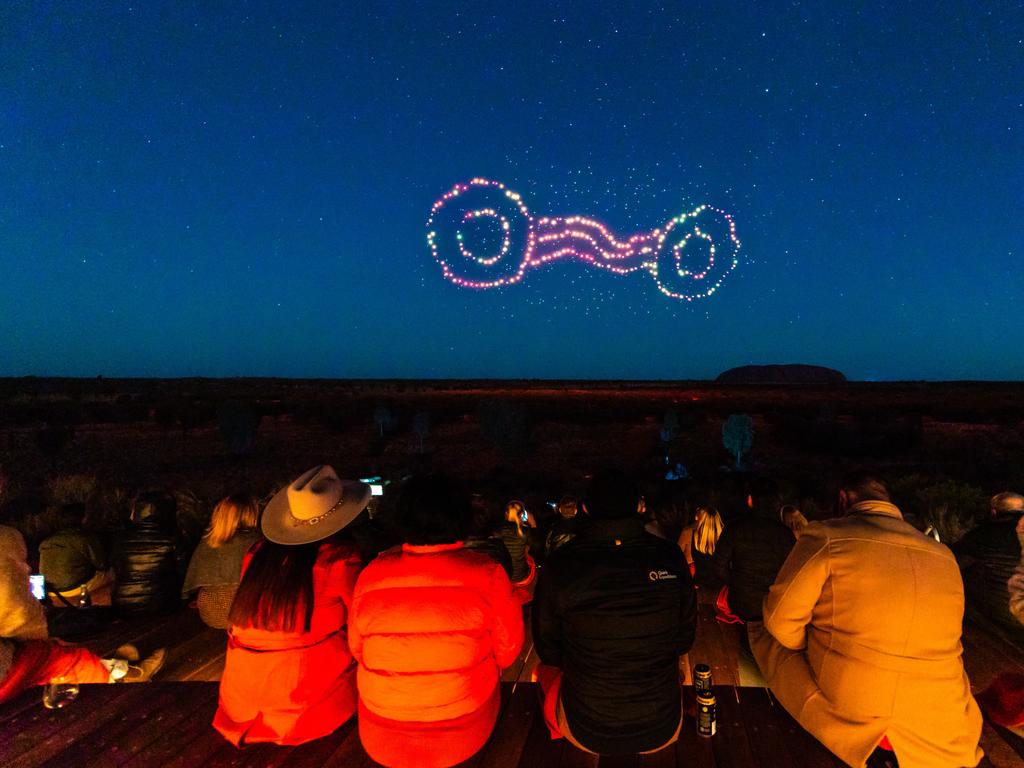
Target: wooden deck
<point>168,722</point>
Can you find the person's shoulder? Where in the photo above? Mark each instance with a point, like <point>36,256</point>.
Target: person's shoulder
<point>204,551</point>
<point>667,552</point>
<point>819,533</point>
<point>659,543</point>
<point>339,551</point>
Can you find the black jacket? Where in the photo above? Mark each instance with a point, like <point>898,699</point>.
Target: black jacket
<point>517,550</point>
<point>988,555</point>
<point>146,569</point>
<point>563,530</point>
<point>747,558</point>
<point>615,608</point>
<point>492,546</point>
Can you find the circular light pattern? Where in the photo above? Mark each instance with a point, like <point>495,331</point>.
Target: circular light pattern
<point>506,241</point>
<point>527,243</point>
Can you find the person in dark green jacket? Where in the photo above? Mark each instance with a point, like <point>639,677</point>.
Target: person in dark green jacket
<point>73,558</point>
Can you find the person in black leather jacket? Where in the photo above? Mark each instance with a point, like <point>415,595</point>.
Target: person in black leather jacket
<point>614,610</point>
<point>988,555</point>
<point>565,525</point>
<point>749,554</point>
<point>145,559</point>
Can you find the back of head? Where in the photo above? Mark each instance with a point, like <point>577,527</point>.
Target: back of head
<point>1007,502</point>
<point>764,497</point>
<point>433,509</point>
<point>12,544</point>
<point>233,513</point>
<point>663,510</point>
<point>70,516</point>
<point>863,485</point>
<point>568,507</point>
<point>154,507</point>
<point>612,495</point>
<point>486,518</point>
<point>708,528</point>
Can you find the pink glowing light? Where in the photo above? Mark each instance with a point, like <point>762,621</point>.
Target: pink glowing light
<point>525,243</point>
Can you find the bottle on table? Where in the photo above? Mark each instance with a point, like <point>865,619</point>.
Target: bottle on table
<point>707,713</point>
<point>702,678</point>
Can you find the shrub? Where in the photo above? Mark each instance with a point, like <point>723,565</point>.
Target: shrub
<point>505,424</point>
<point>738,436</point>
<point>951,507</point>
<point>238,426</point>
<point>383,418</point>
<point>421,426</point>
<point>54,438</point>
<point>71,489</point>
<point>110,509</point>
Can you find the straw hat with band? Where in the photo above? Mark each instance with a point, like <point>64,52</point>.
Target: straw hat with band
<point>317,505</point>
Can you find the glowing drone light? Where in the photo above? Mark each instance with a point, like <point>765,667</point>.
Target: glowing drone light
<point>521,242</point>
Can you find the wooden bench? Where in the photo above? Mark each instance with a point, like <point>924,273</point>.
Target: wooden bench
<point>169,724</point>
<point>144,725</point>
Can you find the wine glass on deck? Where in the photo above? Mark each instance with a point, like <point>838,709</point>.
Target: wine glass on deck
<point>61,691</point>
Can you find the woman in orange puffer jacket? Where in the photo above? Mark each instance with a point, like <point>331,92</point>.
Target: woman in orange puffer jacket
<point>432,625</point>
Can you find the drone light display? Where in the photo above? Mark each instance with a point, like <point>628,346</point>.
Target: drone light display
<point>483,236</point>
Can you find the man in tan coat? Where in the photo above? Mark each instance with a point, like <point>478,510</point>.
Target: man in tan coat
<point>861,637</point>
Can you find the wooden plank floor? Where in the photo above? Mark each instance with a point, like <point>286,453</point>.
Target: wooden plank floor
<point>160,724</point>
<point>168,724</point>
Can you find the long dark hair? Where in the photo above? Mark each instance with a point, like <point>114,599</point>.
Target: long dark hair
<point>277,588</point>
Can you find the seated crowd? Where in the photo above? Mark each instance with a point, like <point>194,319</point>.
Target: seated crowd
<point>405,620</point>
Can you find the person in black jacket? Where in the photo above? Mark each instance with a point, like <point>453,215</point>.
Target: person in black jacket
<point>145,559</point>
<point>748,557</point>
<point>565,525</point>
<point>988,555</point>
<point>484,536</point>
<point>613,611</point>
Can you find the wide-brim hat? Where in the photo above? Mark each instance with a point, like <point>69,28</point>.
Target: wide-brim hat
<point>317,505</point>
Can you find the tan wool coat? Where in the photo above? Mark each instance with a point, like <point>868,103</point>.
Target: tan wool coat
<point>21,615</point>
<point>861,640</point>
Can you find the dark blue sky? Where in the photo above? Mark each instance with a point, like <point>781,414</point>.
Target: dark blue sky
<point>191,190</point>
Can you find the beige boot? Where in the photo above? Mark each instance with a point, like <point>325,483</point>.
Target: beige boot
<point>145,669</point>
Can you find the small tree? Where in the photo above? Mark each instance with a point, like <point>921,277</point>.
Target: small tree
<point>669,426</point>
<point>72,489</point>
<point>382,417</point>
<point>505,424</point>
<point>238,426</point>
<point>421,426</point>
<point>54,438</point>
<point>738,436</point>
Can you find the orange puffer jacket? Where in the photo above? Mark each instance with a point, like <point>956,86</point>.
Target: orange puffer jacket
<point>431,628</point>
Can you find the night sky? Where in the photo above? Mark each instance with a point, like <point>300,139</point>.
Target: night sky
<point>191,190</point>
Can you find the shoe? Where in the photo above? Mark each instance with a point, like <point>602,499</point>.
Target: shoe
<point>145,669</point>
<point>128,652</point>
<point>882,758</point>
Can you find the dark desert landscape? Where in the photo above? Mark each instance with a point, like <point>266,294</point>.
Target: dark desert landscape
<point>209,436</point>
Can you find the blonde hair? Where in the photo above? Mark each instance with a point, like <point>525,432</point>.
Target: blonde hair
<point>513,510</point>
<point>705,535</point>
<point>232,513</point>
